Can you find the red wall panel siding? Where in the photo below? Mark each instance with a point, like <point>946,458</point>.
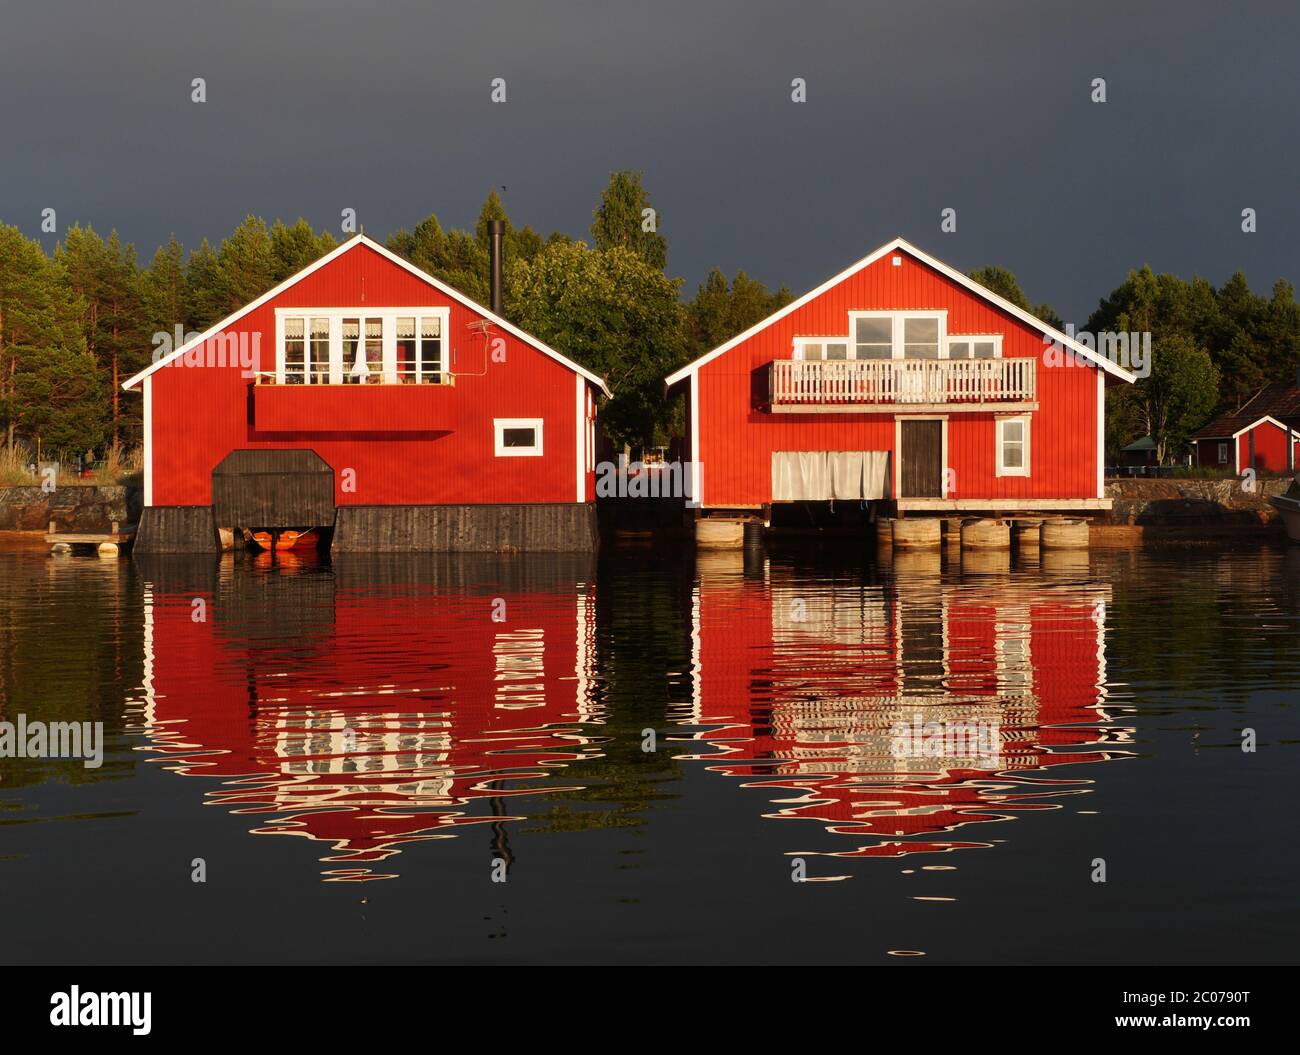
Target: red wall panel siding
<point>736,442</point>
<point>202,412</point>
<point>1270,449</point>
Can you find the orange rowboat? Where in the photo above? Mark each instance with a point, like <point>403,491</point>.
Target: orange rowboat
<point>269,540</point>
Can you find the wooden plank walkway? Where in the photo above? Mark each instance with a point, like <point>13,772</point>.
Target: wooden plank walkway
<point>115,535</point>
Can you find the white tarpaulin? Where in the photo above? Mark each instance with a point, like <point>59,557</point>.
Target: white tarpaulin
<point>819,476</point>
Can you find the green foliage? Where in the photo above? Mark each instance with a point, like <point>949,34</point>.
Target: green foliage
<point>721,310</point>
<point>621,220</point>
<point>615,314</point>
<point>1003,282</point>
<point>49,385</point>
<point>1251,340</point>
<point>460,258</point>
<point>164,292</point>
<point>294,248</point>
<point>1175,399</point>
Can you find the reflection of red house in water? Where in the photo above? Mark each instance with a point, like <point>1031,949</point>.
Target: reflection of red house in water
<point>384,716</point>
<point>894,715</point>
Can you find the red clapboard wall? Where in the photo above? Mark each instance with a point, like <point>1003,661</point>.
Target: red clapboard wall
<point>736,440</point>
<point>1270,448</point>
<point>407,444</point>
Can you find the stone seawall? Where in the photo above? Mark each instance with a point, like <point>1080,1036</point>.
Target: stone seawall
<point>73,507</point>
<point>1139,501</point>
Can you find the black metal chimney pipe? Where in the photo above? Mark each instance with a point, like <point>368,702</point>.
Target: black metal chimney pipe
<point>496,231</point>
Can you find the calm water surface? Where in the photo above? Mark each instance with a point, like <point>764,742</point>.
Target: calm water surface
<point>650,752</point>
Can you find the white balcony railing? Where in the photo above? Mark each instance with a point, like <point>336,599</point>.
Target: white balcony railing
<point>856,383</point>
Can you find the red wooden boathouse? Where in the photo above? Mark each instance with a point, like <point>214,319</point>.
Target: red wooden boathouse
<point>900,379</point>
<point>366,392</point>
<point>1255,437</point>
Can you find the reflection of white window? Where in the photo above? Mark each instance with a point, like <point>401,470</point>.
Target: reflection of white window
<point>1013,446</point>
<point>518,437</point>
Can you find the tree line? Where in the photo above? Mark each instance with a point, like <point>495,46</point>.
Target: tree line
<point>75,323</point>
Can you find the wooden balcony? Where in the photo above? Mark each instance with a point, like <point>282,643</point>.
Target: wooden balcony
<point>888,385</point>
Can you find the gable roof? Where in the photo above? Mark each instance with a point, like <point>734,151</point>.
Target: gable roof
<point>334,254</point>
<point>952,273</point>
<point>1146,443</point>
<point>1278,400</point>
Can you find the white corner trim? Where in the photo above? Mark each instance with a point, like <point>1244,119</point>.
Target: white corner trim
<point>580,432</point>
<point>697,499</point>
<point>1101,435</point>
<point>499,426</point>
<point>1088,354</point>
<point>148,441</point>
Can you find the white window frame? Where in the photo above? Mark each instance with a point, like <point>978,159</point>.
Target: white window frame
<point>800,343</point>
<point>1223,453</point>
<point>896,348</point>
<point>499,426</point>
<point>1012,470</point>
<point>973,338</point>
<point>388,318</point>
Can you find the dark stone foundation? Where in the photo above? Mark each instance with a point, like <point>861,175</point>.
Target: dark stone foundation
<point>561,527</point>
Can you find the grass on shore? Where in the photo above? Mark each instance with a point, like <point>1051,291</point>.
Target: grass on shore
<point>116,467</point>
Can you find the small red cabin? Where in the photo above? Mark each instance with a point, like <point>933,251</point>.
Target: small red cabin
<point>365,388</point>
<point>900,379</point>
<point>1256,436</point>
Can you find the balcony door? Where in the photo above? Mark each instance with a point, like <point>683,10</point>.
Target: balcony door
<point>920,458</point>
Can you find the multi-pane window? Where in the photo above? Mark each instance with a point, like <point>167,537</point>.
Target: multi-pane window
<point>973,347</point>
<point>1013,447</point>
<point>821,349</point>
<point>363,357</point>
<point>897,334</point>
<point>874,337</point>
<point>354,360</point>
<point>402,345</point>
<point>921,338</point>
<point>295,350</point>
<point>374,350</point>
<point>320,351</point>
<point>430,364</point>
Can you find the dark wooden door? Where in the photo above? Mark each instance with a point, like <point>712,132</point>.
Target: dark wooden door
<point>921,459</point>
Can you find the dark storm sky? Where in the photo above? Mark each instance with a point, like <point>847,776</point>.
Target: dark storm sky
<point>912,108</point>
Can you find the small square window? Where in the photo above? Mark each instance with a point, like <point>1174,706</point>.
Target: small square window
<point>518,437</point>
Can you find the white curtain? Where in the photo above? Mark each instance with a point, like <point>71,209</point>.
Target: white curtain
<point>819,476</point>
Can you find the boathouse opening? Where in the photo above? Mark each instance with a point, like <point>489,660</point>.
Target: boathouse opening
<point>273,490</point>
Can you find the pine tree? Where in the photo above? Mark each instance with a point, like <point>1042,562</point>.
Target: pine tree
<point>246,266</point>
<point>621,220</point>
<point>294,248</point>
<point>48,380</point>
<point>203,287</point>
